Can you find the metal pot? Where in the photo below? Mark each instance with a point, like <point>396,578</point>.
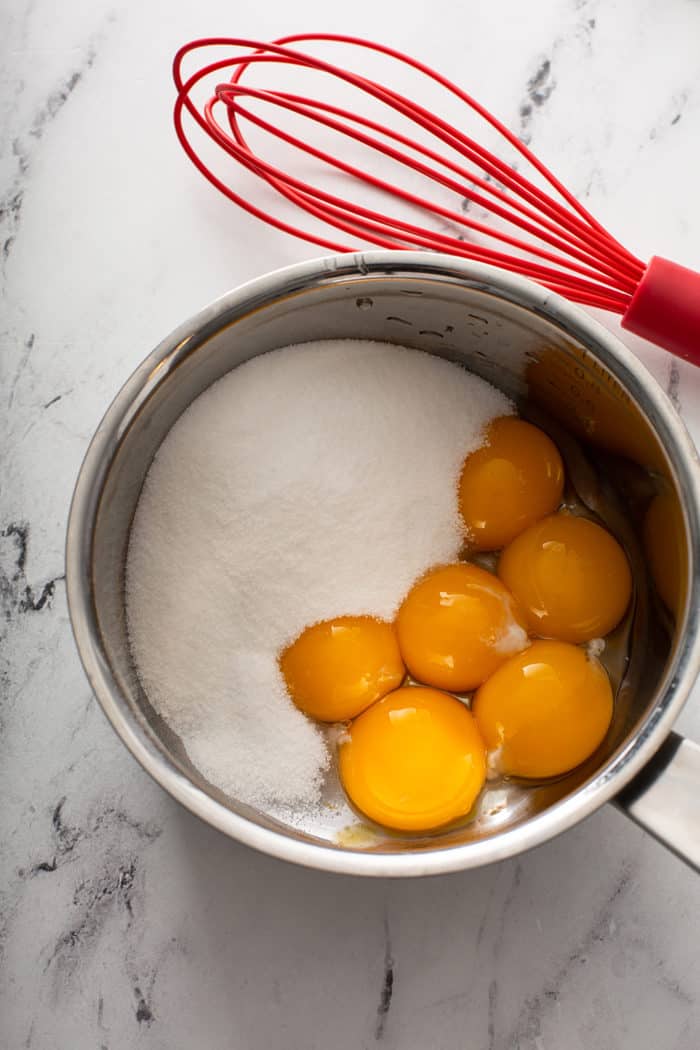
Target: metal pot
<point>540,350</point>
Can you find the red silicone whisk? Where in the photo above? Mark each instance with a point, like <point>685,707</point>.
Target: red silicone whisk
<point>546,236</point>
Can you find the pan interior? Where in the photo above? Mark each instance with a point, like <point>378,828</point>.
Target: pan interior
<point>610,445</point>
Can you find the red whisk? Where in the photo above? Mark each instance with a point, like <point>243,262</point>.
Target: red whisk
<point>548,237</point>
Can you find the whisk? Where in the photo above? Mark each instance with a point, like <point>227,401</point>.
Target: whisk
<point>544,234</point>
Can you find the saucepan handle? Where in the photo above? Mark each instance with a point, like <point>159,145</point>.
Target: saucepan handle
<point>664,798</point>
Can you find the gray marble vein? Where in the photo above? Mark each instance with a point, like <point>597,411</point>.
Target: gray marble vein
<point>23,146</point>
<point>538,90</point>
<point>387,988</point>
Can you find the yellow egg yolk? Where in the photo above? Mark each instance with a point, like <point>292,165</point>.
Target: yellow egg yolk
<point>665,547</point>
<point>337,668</point>
<point>414,761</point>
<point>456,626</point>
<point>544,711</point>
<point>570,578</point>
<point>515,479</point>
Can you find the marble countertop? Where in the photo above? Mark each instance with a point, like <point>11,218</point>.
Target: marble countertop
<point>124,921</point>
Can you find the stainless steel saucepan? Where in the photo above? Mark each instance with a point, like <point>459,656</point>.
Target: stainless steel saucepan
<point>551,358</point>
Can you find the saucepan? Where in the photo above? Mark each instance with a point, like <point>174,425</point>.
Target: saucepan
<point>628,443</point>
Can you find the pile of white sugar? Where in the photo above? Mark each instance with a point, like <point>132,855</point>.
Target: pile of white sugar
<point>312,482</point>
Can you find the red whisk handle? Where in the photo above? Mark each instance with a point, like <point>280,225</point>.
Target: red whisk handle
<point>665,308</point>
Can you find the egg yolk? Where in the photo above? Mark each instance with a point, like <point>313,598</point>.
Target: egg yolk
<point>337,668</point>
<point>544,711</point>
<point>456,626</point>
<point>665,548</point>
<point>570,578</point>
<point>414,761</point>
<point>515,479</point>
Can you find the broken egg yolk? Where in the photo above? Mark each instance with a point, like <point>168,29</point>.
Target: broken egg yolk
<point>512,481</point>
<point>414,761</point>
<point>457,624</point>
<point>337,668</point>
<point>544,711</point>
<point>570,578</point>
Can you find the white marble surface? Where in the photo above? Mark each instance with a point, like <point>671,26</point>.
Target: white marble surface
<point>125,922</point>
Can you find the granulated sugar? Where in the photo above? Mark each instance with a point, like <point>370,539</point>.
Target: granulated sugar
<point>311,482</point>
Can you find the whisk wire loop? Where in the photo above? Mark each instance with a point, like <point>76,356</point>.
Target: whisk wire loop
<point>545,234</point>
